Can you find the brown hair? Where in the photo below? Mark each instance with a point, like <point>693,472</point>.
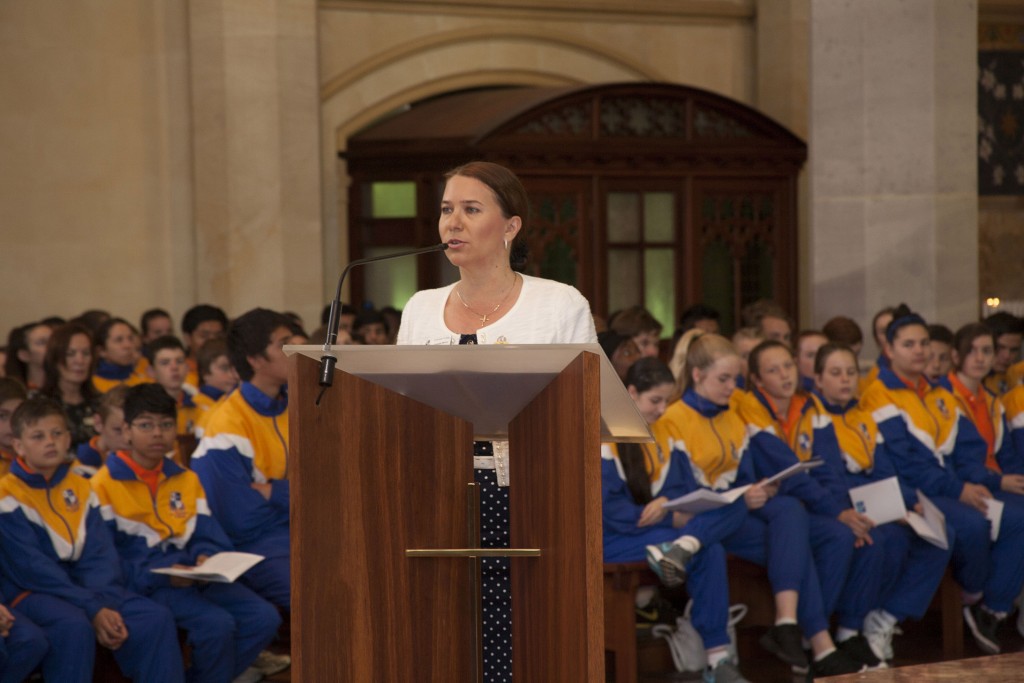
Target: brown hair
<point>964,339</point>
<point>827,350</point>
<point>10,389</point>
<point>32,411</point>
<point>111,400</point>
<point>511,196</point>
<point>702,354</point>
<point>208,353</point>
<point>843,330</point>
<point>754,360</point>
<point>56,352</point>
<point>635,320</point>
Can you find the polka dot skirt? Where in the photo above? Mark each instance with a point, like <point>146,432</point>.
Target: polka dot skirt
<point>496,588</point>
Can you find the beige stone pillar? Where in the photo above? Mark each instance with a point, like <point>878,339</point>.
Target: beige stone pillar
<point>783,56</point>
<point>257,169</point>
<point>893,118</point>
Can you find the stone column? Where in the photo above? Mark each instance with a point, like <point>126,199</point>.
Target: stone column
<point>893,177</point>
<point>256,111</point>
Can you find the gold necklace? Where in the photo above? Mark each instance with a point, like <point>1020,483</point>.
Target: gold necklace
<point>483,317</point>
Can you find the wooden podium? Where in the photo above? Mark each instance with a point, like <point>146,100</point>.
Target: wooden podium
<point>384,533</point>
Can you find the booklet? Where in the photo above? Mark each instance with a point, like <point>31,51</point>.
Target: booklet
<point>932,525</point>
<point>880,500</point>
<point>799,467</point>
<point>219,568</point>
<point>995,517</point>
<point>702,500</point>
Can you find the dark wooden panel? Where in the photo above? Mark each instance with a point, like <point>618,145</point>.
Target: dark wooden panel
<point>374,473</point>
<point>555,498</point>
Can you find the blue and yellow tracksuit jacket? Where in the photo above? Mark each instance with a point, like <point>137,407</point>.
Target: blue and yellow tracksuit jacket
<point>771,453</point>
<point>174,527</point>
<point>109,375</point>
<point>206,399</point>
<point>1007,457</point>
<point>53,540</point>
<point>922,432</point>
<point>701,445</point>
<point>89,454</point>
<point>846,438</point>
<point>246,442</point>
<point>1013,403</point>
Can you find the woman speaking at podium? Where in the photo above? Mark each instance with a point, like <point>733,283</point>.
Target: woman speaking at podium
<point>483,215</point>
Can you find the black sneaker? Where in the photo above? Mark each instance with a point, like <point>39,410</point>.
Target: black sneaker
<point>657,611</point>
<point>859,650</point>
<point>784,641</point>
<point>984,627</point>
<point>836,664</point>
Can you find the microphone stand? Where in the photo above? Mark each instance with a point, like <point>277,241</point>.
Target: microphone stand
<point>328,360</point>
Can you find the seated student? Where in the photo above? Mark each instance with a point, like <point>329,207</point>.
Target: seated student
<point>12,395</point>
<point>159,517</point>
<point>925,435</point>
<point>621,351</point>
<point>1008,331</point>
<point>68,367</point>
<point>168,367</point>
<point>56,550</point>
<point>634,519</point>
<point>744,340</point>
<point>836,430</point>
<point>940,361</point>
<point>242,459</point>
<point>807,344</point>
<point>1013,403</point>
<point>155,323</point>
<point>371,327</point>
<point>199,325</point>
<point>637,323</point>
<point>219,378</point>
<point>879,324</point>
<point>108,421</point>
<point>771,410</point>
<point>23,646</point>
<point>701,442</point>
<point>117,348</point>
<point>770,319</point>
<point>26,349</point>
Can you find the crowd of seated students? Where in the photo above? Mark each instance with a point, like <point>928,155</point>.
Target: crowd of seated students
<point>940,412</point>
<point>127,449</point>
<point>946,418</point>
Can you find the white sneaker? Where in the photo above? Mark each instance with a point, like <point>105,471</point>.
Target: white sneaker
<point>250,675</point>
<point>878,630</point>
<point>268,663</point>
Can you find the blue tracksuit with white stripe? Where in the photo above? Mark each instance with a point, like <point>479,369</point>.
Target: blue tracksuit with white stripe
<point>899,571</point>
<point>925,435</point>
<point>708,447</point>
<point>245,442</point>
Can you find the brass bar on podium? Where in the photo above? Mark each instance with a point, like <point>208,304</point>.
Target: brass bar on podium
<point>474,552</point>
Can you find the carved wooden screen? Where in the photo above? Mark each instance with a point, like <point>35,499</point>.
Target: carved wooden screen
<point>720,177</point>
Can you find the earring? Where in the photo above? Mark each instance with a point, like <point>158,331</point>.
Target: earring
<point>506,244</point>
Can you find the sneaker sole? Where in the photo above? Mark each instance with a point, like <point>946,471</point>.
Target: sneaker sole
<point>672,574</point>
<point>769,644</point>
<point>984,643</point>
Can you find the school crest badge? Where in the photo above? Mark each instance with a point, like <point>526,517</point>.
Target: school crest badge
<point>943,409</point>
<point>70,500</point>
<point>177,505</point>
<point>804,443</point>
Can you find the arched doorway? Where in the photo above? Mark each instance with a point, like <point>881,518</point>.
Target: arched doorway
<point>642,193</point>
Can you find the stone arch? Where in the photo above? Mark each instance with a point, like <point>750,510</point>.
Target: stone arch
<point>453,60</point>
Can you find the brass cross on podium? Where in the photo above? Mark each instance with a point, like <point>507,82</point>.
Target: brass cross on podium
<point>474,552</point>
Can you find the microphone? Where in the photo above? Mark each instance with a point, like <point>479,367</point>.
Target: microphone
<point>327,360</point>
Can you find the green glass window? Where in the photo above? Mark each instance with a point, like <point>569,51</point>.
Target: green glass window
<point>393,199</point>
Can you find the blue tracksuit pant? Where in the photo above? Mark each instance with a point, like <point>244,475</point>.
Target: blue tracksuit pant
<point>777,537</point>
<point>706,580</point>
<point>979,565</point>
<point>271,578</point>
<point>22,650</point>
<point>227,624</point>
<point>151,652</point>
<point>899,572</point>
<point>832,546</point>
